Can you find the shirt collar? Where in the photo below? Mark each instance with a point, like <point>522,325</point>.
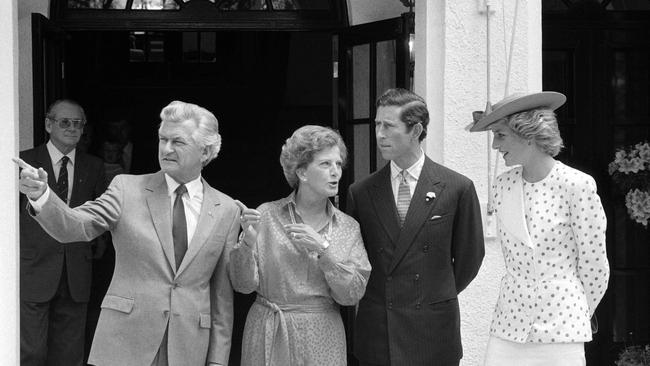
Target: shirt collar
<point>414,170</point>
<point>194,187</point>
<point>56,155</point>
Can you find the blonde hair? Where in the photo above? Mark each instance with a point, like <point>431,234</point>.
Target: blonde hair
<point>539,126</point>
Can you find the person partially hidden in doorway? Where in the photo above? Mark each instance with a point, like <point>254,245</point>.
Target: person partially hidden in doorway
<point>55,279</point>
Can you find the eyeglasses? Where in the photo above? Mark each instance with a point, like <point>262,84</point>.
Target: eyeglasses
<point>67,122</point>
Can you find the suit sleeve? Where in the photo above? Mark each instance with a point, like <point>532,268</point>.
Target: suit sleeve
<point>468,247</point>
<point>100,182</point>
<point>221,300</point>
<point>85,222</point>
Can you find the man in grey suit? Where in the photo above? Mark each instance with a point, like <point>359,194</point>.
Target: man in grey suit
<point>421,224</point>
<point>170,299</point>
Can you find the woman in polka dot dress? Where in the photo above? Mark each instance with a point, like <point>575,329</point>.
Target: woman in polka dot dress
<point>303,257</point>
<point>551,226</point>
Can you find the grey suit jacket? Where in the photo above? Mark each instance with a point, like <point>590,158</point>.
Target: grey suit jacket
<point>409,314</point>
<point>147,295</point>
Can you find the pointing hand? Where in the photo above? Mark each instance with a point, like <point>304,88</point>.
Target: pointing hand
<point>33,182</point>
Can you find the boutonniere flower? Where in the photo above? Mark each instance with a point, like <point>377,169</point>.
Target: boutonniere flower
<point>430,196</point>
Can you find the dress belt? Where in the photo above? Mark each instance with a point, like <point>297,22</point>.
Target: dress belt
<point>277,350</point>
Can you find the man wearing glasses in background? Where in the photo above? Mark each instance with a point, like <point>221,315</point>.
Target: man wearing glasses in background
<point>54,278</point>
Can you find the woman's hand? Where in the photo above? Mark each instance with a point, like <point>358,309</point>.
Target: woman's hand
<point>304,236</point>
<point>250,222</point>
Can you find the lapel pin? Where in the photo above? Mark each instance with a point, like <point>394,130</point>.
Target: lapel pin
<point>430,196</point>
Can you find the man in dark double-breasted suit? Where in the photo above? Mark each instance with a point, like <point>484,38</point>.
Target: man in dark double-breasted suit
<point>421,224</point>
<point>55,279</point>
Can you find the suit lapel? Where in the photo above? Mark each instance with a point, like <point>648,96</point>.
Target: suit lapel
<point>80,175</point>
<point>159,205</point>
<point>44,160</point>
<point>209,217</point>
<point>381,196</point>
<point>419,210</point>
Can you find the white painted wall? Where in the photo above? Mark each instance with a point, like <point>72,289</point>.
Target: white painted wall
<point>9,349</point>
<point>450,72</point>
<point>25,10</point>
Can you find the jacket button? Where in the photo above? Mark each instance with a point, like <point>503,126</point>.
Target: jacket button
<point>380,250</point>
<point>425,248</point>
<point>417,276</point>
<point>389,278</point>
<point>418,306</point>
<point>390,304</point>
<point>174,285</point>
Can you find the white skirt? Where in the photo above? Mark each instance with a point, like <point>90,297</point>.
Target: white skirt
<point>506,353</point>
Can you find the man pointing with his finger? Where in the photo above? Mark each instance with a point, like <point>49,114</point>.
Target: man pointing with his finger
<point>170,299</point>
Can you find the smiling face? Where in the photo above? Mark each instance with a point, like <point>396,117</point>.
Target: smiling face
<point>178,154</point>
<point>321,176</point>
<point>394,139</point>
<point>515,149</point>
<point>64,139</point>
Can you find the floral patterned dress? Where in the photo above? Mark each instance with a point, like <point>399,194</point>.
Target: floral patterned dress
<point>295,319</point>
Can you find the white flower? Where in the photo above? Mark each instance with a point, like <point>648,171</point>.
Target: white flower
<point>632,165</point>
<point>638,205</point>
<point>430,196</point>
<point>644,151</point>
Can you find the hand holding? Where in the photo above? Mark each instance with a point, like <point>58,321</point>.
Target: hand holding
<point>33,182</point>
<point>304,236</point>
<point>250,222</point>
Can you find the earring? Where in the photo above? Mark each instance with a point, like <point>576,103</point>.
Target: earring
<point>304,179</point>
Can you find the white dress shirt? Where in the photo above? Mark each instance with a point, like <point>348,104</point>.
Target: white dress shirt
<point>56,157</point>
<point>192,202</point>
<point>412,176</point>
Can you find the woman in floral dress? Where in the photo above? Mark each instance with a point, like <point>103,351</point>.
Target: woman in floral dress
<point>551,225</point>
<point>303,257</point>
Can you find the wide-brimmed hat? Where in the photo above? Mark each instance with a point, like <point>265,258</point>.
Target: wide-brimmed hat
<point>515,103</point>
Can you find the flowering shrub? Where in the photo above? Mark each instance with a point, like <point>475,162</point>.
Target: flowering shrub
<point>634,356</point>
<point>630,170</point>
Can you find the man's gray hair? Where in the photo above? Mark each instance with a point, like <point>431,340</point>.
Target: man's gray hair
<point>206,134</point>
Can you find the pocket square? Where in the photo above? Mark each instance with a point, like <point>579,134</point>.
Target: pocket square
<point>435,217</point>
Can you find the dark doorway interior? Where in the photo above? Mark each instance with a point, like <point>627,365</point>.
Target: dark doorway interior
<point>260,85</point>
<point>599,59</point>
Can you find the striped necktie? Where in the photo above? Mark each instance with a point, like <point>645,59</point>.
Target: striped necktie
<point>403,197</point>
<point>61,188</point>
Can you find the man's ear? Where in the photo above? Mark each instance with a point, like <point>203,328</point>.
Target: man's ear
<point>48,125</point>
<point>417,130</point>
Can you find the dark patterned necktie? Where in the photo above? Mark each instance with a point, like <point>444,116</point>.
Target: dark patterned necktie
<point>61,188</point>
<point>179,226</point>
